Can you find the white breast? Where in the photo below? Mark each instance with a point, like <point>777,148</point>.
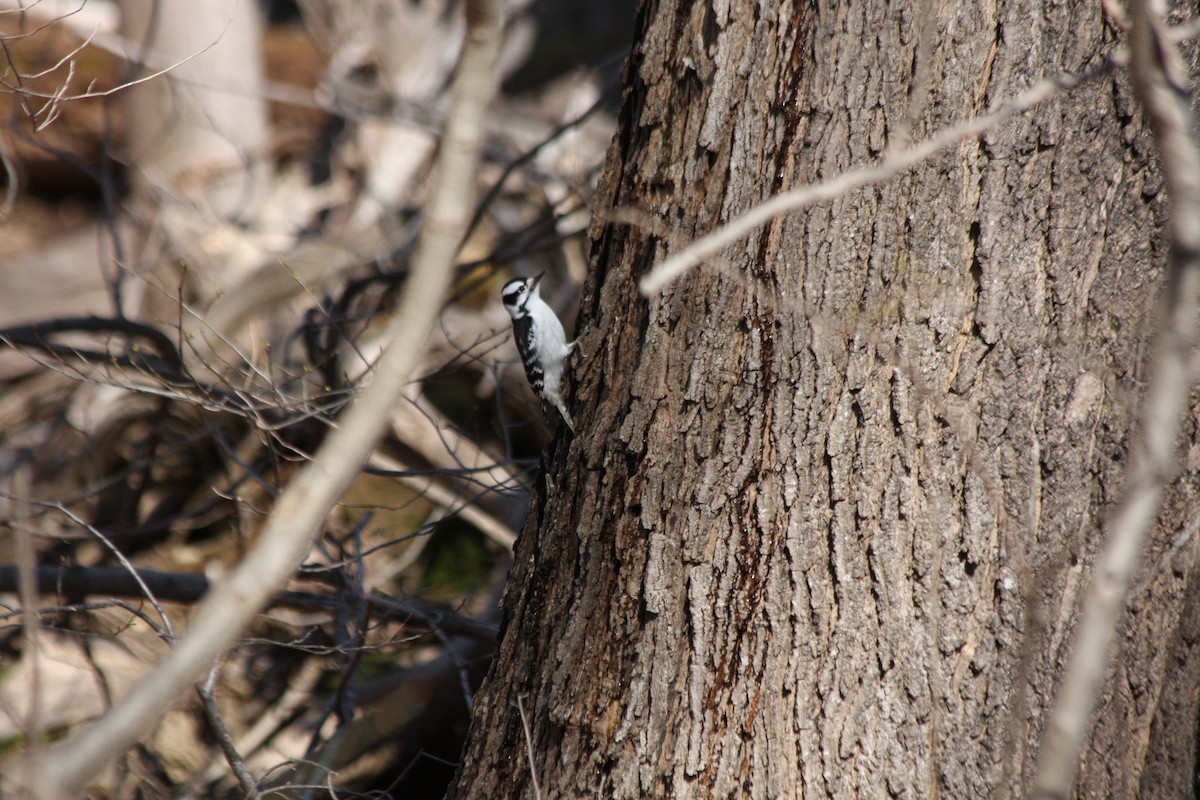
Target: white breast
<point>551,342</point>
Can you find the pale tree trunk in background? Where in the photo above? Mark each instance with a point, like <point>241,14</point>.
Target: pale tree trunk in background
<point>826,523</point>
<point>193,142</point>
<point>197,144</point>
<point>207,115</point>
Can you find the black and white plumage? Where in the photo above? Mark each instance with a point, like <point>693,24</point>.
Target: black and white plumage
<point>541,340</point>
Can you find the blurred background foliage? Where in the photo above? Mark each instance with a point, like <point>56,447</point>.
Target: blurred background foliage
<point>206,220</point>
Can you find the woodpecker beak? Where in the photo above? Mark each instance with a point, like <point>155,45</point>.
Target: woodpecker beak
<point>533,283</point>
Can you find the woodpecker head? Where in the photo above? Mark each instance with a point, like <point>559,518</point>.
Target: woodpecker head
<point>518,293</point>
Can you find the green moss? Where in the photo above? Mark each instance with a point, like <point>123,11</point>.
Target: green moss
<point>457,560</point>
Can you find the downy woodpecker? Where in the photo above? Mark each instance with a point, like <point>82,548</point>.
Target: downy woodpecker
<point>541,340</point>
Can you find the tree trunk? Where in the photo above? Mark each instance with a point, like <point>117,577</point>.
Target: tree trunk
<point>825,526</point>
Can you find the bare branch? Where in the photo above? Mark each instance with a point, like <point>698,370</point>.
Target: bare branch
<point>212,713</point>
<point>1160,78</point>
<point>893,163</point>
<point>537,785</point>
<point>452,502</point>
<point>61,96</point>
<point>175,587</point>
<point>167,631</point>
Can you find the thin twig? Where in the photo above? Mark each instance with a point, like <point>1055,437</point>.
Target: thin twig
<point>212,713</point>
<point>60,96</point>
<point>537,786</point>
<point>893,163</point>
<point>451,501</point>
<point>530,154</point>
<point>166,631</point>
<point>298,693</point>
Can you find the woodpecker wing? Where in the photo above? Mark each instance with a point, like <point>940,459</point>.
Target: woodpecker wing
<point>524,335</point>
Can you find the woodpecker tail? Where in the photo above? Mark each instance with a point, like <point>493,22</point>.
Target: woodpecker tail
<point>558,404</point>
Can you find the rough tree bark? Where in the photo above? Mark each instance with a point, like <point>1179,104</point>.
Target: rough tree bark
<point>834,495</point>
